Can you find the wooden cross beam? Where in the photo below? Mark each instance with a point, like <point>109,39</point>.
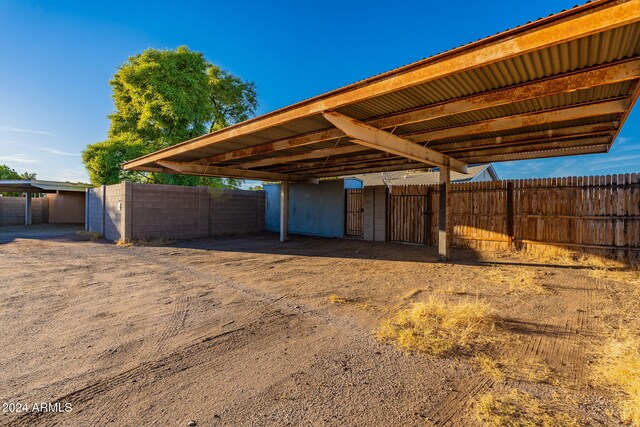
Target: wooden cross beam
<point>201,170</point>
<point>381,140</point>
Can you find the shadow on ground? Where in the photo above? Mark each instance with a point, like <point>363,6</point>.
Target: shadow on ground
<point>38,231</point>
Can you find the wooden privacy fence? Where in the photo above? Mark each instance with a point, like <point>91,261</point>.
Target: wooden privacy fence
<point>595,213</point>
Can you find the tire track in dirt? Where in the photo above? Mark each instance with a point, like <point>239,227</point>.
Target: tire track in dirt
<point>556,343</point>
<point>92,395</point>
<point>460,397</point>
<point>158,369</point>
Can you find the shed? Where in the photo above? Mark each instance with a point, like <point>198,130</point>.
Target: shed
<point>314,209</point>
<point>65,201</point>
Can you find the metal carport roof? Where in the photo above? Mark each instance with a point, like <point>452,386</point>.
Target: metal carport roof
<point>562,85</point>
<point>38,186</point>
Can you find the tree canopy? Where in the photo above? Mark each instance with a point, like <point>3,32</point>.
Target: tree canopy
<point>7,173</point>
<point>164,97</point>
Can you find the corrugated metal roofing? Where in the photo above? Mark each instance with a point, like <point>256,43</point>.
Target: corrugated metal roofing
<point>613,44</point>
<point>417,177</point>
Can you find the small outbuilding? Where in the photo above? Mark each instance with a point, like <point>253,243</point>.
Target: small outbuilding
<point>63,202</point>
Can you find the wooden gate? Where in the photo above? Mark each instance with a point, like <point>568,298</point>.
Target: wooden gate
<point>409,218</point>
<point>353,212</point>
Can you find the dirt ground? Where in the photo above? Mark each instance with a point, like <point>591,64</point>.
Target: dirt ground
<point>241,331</point>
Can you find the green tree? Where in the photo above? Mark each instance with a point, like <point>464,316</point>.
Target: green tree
<point>164,97</point>
<point>7,173</point>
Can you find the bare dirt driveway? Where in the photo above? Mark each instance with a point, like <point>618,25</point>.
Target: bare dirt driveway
<point>243,331</point>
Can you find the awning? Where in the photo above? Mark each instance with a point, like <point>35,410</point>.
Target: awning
<point>559,86</point>
<point>37,186</point>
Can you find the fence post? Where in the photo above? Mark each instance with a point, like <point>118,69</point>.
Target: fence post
<point>510,214</point>
<point>427,218</point>
<point>443,213</point>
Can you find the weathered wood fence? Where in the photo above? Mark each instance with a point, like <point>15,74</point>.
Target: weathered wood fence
<point>594,214</point>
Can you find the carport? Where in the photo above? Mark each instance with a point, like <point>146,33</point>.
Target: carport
<point>559,86</point>
<point>65,206</point>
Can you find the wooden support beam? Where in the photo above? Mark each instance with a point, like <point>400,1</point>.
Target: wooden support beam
<point>537,146</point>
<point>362,165</point>
<point>561,28</point>
<point>284,211</point>
<point>378,139</point>
<point>201,170</point>
<point>340,161</point>
<point>540,154</point>
<point>372,169</point>
<point>315,154</point>
<point>509,214</point>
<point>563,114</point>
<point>443,214</point>
<point>566,140</point>
<point>498,141</point>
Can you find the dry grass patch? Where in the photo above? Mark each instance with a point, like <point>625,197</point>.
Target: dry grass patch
<point>151,242</point>
<point>631,277</point>
<point>489,366</point>
<point>439,328</point>
<point>618,367</point>
<point>519,409</point>
<point>90,235</point>
<point>519,280</point>
<point>529,369</point>
<point>336,299</point>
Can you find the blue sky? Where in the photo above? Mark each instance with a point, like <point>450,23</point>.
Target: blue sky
<point>57,57</point>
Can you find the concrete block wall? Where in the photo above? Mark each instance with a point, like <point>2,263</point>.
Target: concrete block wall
<point>95,209</point>
<point>115,204</point>
<point>169,211</point>
<point>236,211</point>
<point>375,213</point>
<point>142,211</point>
<point>12,210</point>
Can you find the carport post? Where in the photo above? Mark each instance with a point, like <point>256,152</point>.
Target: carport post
<point>284,210</point>
<point>27,209</point>
<point>443,214</point>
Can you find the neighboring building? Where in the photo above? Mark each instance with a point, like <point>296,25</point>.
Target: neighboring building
<point>64,202</point>
<point>483,172</point>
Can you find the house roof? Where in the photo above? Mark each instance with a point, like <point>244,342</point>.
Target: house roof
<point>562,85</point>
<point>422,177</point>
<point>38,186</point>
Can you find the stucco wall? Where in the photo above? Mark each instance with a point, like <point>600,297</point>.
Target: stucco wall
<point>66,207</point>
<point>12,210</point>
<point>314,209</point>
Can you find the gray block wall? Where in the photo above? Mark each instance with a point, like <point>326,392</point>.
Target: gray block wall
<point>131,211</point>
<point>106,209</point>
<point>236,211</point>
<point>12,210</point>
